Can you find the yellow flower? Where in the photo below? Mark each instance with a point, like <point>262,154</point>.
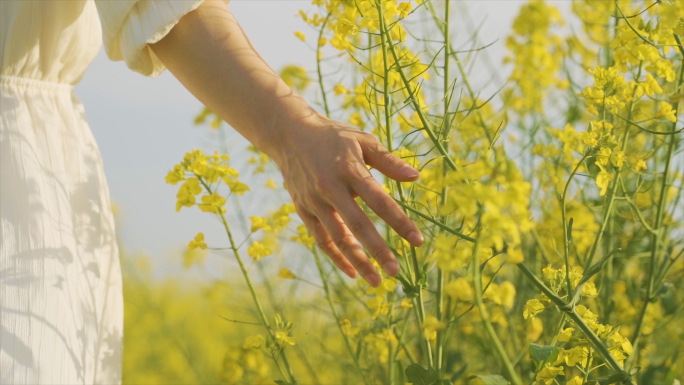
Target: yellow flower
<point>550,274</point>
<point>507,292</point>
<point>253,342</point>
<point>258,250</point>
<point>603,156</point>
<point>345,27</point>
<point>622,342</point>
<point>640,165</point>
<point>406,305</point>
<point>618,158</point>
<point>589,138</point>
<point>259,223</point>
<point>176,175</point>
<point>589,290</point>
<point>404,9</point>
<point>304,237</point>
<point>603,181</point>
<point>213,203</point>
<point>577,380</point>
<point>193,256</point>
<point>651,85</point>
<point>357,120</point>
<point>514,255</point>
<point>186,193</point>
<point>198,242</point>
<point>459,289</point>
<point>378,305</point>
<point>666,111</point>
<point>270,183</point>
<point>532,308</point>
<point>286,273</point>
<point>339,89</point>
<point>565,335</point>
<point>236,186</point>
<point>431,326</point>
<point>547,375</point>
<point>572,357</point>
<point>535,328</point>
<point>283,338</point>
<point>300,35</point>
<point>347,329</point>
<point>281,217</point>
<point>296,77</point>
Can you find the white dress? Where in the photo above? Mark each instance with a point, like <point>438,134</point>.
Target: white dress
<point>61,305</point>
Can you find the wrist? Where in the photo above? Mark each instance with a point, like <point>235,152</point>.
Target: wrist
<point>288,122</point>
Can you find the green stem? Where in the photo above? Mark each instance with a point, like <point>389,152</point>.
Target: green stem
<point>252,291</point>
<point>566,236</point>
<point>655,236</point>
<point>386,42</point>
<point>412,97</point>
<point>498,346</point>
<point>446,125</point>
<point>318,66</point>
<point>336,315</point>
<point>464,75</point>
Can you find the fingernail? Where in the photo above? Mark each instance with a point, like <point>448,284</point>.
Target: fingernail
<point>391,268</point>
<point>410,172</point>
<point>415,238</point>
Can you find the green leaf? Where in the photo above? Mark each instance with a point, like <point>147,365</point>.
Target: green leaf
<point>459,373</point>
<point>422,282</point>
<point>616,378</point>
<point>409,290</point>
<point>418,375</point>
<point>595,268</point>
<point>491,379</point>
<point>282,382</point>
<point>543,353</point>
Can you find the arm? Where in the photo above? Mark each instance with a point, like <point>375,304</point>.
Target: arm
<point>322,161</point>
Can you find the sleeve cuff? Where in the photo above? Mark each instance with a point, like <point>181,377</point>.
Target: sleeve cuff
<point>147,23</point>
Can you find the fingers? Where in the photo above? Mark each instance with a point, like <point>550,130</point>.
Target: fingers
<point>346,243</point>
<point>326,244</point>
<point>386,208</point>
<point>363,229</point>
<point>376,155</point>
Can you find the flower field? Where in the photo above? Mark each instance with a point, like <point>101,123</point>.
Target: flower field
<point>551,209</point>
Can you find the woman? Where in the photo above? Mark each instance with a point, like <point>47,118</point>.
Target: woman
<point>61,308</point>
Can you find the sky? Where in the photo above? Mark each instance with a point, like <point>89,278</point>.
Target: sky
<point>144,126</point>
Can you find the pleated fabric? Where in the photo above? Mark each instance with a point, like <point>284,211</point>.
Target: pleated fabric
<point>60,281</point>
<point>61,304</point>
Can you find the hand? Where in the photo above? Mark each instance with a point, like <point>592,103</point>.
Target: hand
<point>323,163</point>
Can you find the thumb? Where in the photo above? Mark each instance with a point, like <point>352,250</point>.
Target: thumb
<point>377,156</point>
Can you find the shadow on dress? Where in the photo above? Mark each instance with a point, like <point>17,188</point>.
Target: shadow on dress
<point>59,263</point>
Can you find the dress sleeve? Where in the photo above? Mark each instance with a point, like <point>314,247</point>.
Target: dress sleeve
<point>129,26</point>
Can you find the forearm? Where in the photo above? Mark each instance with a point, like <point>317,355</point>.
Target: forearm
<point>212,57</point>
